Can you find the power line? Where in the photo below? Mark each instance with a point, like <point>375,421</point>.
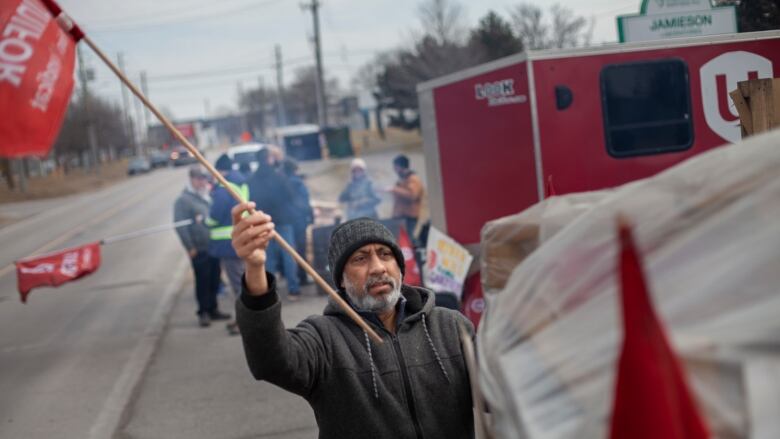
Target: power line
<point>290,62</point>
<point>185,20</point>
<point>166,13</point>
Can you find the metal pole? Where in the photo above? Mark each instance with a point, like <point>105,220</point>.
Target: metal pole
<point>91,135</point>
<point>281,111</point>
<point>145,90</point>
<point>144,232</point>
<point>129,129</point>
<point>322,104</point>
<point>139,108</point>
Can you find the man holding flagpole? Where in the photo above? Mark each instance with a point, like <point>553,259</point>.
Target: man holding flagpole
<point>413,385</point>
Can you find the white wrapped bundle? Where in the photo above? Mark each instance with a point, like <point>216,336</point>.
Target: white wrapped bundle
<point>507,241</point>
<point>708,231</point>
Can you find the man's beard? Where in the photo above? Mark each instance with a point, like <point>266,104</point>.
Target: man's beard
<point>364,301</point>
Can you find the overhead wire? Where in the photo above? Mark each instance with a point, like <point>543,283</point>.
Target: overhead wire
<point>166,13</point>
<point>184,20</point>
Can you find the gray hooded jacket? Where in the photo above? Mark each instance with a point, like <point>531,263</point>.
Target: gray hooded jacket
<point>414,385</point>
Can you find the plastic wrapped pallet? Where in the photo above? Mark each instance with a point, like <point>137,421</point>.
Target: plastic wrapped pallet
<point>507,241</point>
<point>709,234</point>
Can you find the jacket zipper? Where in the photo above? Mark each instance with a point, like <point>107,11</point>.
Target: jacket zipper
<point>407,387</point>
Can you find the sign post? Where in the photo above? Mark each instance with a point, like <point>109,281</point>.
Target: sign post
<point>661,19</point>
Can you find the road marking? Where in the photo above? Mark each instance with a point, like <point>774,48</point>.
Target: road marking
<point>114,410</point>
<point>76,230</point>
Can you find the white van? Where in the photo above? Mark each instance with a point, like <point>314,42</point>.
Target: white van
<point>246,153</point>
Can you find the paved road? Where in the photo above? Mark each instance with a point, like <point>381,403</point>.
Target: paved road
<point>119,352</point>
<point>64,353</point>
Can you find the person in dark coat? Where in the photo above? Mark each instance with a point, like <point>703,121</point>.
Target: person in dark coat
<point>304,214</point>
<point>271,193</point>
<point>193,204</point>
<point>414,385</point>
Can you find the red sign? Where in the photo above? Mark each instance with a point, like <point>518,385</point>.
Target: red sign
<point>411,270</point>
<point>57,268</point>
<point>187,130</point>
<point>36,78</point>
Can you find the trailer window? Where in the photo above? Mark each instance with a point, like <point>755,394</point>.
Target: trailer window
<point>647,107</point>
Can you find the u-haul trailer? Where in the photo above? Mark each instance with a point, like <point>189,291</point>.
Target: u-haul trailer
<point>500,136</point>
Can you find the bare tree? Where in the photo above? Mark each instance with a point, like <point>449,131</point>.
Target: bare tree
<point>563,29</point>
<point>566,28</point>
<point>442,19</point>
<point>530,28</point>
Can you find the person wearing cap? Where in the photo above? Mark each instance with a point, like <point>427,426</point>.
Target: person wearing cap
<point>304,214</point>
<point>359,195</point>
<point>271,192</point>
<point>193,204</point>
<point>413,385</point>
<point>407,194</point>
<point>221,226</point>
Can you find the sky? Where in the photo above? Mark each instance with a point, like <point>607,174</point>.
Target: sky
<point>198,54</point>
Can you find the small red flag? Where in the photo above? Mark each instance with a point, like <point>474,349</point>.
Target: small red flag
<point>411,270</point>
<point>57,268</point>
<point>36,77</point>
<point>652,399</point>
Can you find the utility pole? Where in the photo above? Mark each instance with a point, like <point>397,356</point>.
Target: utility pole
<point>141,130</point>
<point>84,77</point>
<point>129,130</point>
<point>322,105</point>
<point>145,91</point>
<point>281,118</point>
<point>242,114</point>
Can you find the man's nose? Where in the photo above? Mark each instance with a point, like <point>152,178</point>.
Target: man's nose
<point>376,266</point>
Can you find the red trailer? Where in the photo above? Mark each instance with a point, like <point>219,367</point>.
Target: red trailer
<point>501,136</point>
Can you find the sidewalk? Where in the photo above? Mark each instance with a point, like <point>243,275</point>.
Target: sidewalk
<point>198,384</point>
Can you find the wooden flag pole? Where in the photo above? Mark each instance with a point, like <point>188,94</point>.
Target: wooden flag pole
<point>194,151</point>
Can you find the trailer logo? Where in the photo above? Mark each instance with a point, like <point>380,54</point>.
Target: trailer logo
<point>499,93</point>
<point>719,76</point>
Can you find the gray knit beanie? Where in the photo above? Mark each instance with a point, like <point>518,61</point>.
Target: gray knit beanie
<point>354,234</point>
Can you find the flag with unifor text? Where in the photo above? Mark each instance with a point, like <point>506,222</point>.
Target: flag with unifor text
<point>37,59</point>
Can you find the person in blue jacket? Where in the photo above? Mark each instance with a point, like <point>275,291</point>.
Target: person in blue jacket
<point>220,225</point>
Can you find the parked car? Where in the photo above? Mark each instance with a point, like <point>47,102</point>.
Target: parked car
<point>246,153</point>
<point>181,156</point>
<point>158,159</point>
<point>138,165</point>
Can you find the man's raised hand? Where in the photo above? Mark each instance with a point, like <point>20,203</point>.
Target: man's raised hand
<point>251,234</point>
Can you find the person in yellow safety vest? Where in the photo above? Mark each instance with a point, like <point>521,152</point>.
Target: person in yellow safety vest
<point>220,225</point>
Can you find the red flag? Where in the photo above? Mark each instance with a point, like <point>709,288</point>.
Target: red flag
<point>57,268</point>
<point>652,399</point>
<point>36,77</point>
<point>411,270</point>
<point>473,299</point>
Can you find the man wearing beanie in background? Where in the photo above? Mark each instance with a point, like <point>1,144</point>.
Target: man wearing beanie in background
<point>413,385</point>
<point>194,204</point>
<point>220,227</point>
